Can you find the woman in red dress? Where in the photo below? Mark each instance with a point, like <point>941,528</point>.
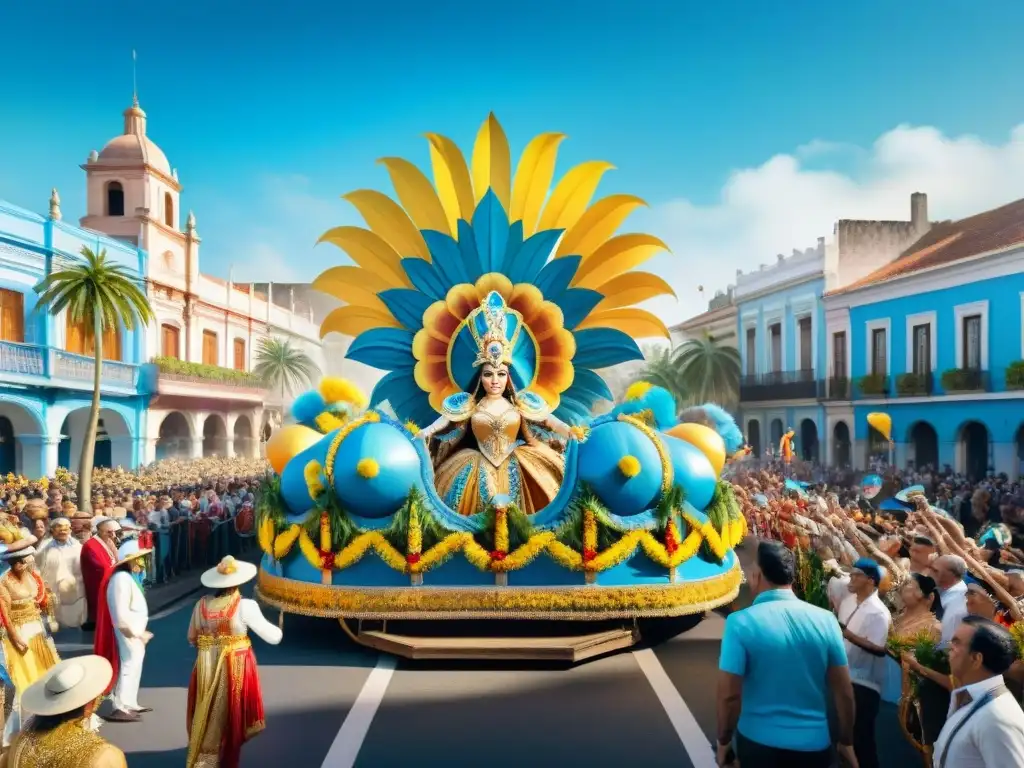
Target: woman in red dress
<point>225,703</point>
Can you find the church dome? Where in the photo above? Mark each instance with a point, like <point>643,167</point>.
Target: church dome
<point>134,147</point>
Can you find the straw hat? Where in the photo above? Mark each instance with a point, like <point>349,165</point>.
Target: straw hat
<point>130,551</point>
<point>67,686</point>
<point>228,573</point>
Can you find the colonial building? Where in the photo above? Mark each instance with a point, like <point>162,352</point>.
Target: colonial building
<point>203,343</point>
<point>780,331</point>
<point>719,322</point>
<point>46,362</point>
<point>932,335</point>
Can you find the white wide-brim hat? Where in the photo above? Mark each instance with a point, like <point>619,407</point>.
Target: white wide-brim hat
<point>18,554</point>
<point>67,686</point>
<point>129,551</point>
<point>228,573</point>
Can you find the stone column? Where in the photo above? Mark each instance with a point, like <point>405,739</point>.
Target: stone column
<point>902,449</point>
<point>229,446</point>
<point>38,455</point>
<point>948,454</point>
<point>1004,459</point>
<point>197,448</point>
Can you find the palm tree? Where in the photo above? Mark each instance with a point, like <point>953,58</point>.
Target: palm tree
<point>281,364</point>
<point>100,296</point>
<point>708,371</point>
<point>661,371</point>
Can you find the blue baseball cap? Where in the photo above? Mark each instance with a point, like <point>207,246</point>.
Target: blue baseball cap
<point>869,568</point>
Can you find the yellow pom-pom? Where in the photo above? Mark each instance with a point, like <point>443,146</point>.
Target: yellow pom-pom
<point>335,390</point>
<point>412,427</point>
<point>368,468</point>
<point>629,466</point>
<point>311,473</point>
<point>328,422</point>
<point>638,389</point>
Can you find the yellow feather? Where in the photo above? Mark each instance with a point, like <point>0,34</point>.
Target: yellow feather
<point>451,177</point>
<point>597,225</point>
<point>638,323</point>
<point>416,194</point>
<point>533,179</point>
<point>386,217</point>
<point>616,257</point>
<point>353,285</point>
<point>492,163</point>
<point>352,321</point>
<point>369,251</point>
<point>632,288</point>
<point>572,195</point>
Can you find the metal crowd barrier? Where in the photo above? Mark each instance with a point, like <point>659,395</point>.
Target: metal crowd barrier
<point>189,544</point>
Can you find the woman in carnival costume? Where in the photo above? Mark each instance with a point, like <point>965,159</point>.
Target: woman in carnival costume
<point>225,703</point>
<point>29,650</point>
<point>499,435</point>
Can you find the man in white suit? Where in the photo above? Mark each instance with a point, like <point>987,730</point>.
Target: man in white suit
<point>121,634</point>
<point>985,724</point>
<point>60,566</point>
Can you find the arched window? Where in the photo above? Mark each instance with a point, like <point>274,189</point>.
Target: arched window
<point>168,209</point>
<point>169,341</point>
<point>115,199</point>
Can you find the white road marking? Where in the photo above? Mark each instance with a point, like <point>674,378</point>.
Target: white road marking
<point>696,744</point>
<point>349,741</point>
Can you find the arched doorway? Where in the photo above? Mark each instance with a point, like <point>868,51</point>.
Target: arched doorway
<point>113,446</point>
<point>974,444</point>
<point>243,436</point>
<point>776,435</point>
<point>841,450</point>
<point>8,447</point>
<point>808,440</point>
<point>215,436</point>
<point>175,440</point>
<point>754,436</point>
<point>17,421</point>
<point>878,446</point>
<point>924,441</point>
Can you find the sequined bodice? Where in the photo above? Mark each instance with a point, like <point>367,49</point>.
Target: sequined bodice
<point>498,435</point>
<point>66,746</point>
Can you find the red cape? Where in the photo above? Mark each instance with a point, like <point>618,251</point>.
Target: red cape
<point>105,642</point>
<point>96,563</point>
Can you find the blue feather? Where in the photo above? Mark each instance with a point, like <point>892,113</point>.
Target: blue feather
<point>308,406</point>
<point>406,305</point>
<point>572,412</point>
<point>446,257</point>
<point>425,278</point>
<point>576,304</point>
<point>406,399</point>
<point>603,348</point>
<point>663,406</point>
<point>532,257</point>
<point>491,230</point>
<point>515,242</point>
<point>467,246</point>
<point>554,279</point>
<point>592,384</point>
<point>725,425</point>
<point>389,349</point>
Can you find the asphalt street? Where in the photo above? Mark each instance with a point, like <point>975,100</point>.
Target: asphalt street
<point>334,704</point>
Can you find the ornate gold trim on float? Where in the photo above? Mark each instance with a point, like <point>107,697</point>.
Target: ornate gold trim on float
<point>577,603</point>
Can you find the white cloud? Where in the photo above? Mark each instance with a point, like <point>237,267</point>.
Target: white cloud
<point>783,204</point>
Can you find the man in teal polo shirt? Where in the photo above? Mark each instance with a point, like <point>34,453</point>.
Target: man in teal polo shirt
<point>780,658</point>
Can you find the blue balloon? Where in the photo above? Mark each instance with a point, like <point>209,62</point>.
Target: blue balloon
<point>398,470</point>
<point>293,479</point>
<point>692,470</point>
<point>599,460</point>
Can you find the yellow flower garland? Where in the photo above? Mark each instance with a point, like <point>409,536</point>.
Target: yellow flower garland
<point>501,530</point>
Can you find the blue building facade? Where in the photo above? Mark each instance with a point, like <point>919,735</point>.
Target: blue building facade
<point>935,340</point>
<point>46,364</point>
<point>781,333</point>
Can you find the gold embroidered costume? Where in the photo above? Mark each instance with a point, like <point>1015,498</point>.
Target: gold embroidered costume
<point>69,745</point>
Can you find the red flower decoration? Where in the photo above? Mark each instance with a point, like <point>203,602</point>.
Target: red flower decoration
<point>412,558</point>
<point>670,544</point>
<point>497,555</point>
<point>327,560</point>
<point>588,555</point>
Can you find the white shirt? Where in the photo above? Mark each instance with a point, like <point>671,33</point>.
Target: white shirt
<point>251,615</point>
<point>992,738</point>
<point>954,610</point>
<point>870,620</point>
<point>127,603</point>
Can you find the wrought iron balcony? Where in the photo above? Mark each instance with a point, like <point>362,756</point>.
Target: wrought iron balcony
<point>778,385</point>
<point>46,366</point>
<point>835,388</point>
<point>915,384</point>
<point>965,380</point>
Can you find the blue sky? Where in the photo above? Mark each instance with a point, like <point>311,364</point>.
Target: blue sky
<point>270,113</point>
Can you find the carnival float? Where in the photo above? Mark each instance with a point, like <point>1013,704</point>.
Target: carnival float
<point>476,482</point>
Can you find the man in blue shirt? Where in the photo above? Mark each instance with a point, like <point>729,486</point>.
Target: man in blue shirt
<point>780,658</point>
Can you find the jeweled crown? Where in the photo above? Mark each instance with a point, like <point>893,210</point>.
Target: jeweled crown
<point>495,348</point>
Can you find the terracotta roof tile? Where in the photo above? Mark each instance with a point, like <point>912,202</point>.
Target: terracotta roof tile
<point>951,241</point>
